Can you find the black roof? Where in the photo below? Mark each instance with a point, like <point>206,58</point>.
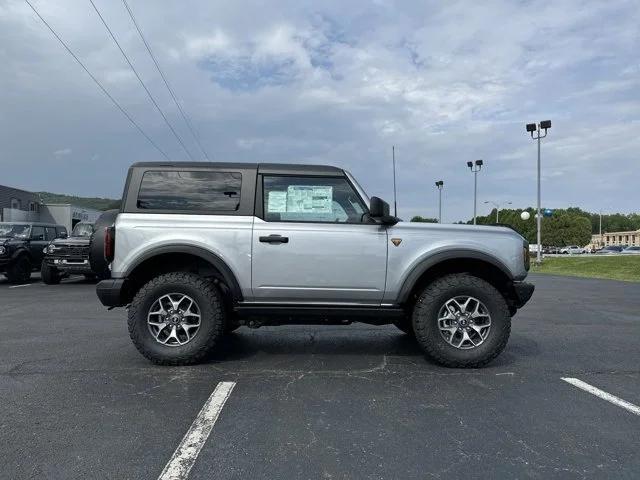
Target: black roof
<point>266,168</point>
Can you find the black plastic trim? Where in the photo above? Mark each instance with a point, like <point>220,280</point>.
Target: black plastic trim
<point>523,292</point>
<point>283,314</point>
<point>227,274</point>
<point>432,261</point>
<point>111,292</point>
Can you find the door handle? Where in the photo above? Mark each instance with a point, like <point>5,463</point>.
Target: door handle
<point>274,239</point>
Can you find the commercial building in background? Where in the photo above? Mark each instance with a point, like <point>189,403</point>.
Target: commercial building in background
<point>22,206</point>
<point>19,205</point>
<point>67,214</point>
<point>631,238</point>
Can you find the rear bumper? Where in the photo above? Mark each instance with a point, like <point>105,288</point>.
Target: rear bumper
<point>111,292</point>
<point>522,293</point>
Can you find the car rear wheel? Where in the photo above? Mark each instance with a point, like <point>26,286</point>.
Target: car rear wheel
<point>176,319</point>
<point>20,271</point>
<point>461,321</point>
<point>50,275</point>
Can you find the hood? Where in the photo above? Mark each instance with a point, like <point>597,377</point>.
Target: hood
<point>455,229</point>
<point>11,241</point>
<point>72,241</point>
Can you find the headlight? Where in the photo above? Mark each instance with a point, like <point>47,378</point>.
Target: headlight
<point>2,250</point>
<point>50,249</point>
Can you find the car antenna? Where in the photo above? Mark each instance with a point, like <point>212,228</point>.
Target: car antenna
<point>395,204</point>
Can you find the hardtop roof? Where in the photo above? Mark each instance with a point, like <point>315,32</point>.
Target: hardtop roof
<point>265,168</point>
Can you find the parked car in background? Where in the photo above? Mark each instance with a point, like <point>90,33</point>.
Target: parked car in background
<point>68,256</point>
<point>21,247</point>
<point>631,251</point>
<point>610,250</point>
<point>572,250</point>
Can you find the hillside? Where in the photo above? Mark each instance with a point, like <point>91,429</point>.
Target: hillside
<point>86,202</point>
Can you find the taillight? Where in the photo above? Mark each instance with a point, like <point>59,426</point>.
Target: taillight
<point>109,243</point>
<point>527,257</point>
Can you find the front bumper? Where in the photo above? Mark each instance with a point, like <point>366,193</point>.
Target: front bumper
<point>522,293</point>
<point>111,292</point>
<point>69,265</point>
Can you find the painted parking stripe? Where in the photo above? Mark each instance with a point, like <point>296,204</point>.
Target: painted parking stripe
<point>185,455</point>
<point>603,395</point>
<point>23,285</point>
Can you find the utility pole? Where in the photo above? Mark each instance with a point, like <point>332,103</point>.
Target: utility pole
<point>497,205</point>
<point>531,128</point>
<point>439,185</point>
<point>475,168</point>
<point>600,236</point>
<point>395,204</point>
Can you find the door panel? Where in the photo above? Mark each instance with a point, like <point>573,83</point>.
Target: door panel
<point>319,262</point>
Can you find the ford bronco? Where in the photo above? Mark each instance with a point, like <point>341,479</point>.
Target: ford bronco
<point>199,249</point>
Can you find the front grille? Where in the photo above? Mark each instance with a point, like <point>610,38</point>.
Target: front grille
<point>72,251</point>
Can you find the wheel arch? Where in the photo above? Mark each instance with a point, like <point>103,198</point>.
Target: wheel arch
<point>184,257</point>
<point>476,263</point>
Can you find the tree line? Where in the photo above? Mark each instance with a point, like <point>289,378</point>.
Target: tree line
<point>566,226</point>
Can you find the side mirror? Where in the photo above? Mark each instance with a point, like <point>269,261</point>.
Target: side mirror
<point>62,235</point>
<point>379,211</point>
<point>378,208</point>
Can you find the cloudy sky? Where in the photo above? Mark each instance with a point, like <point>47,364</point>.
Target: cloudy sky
<point>334,82</point>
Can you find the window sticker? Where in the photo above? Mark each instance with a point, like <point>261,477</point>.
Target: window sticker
<point>309,199</point>
<point>277,202</point>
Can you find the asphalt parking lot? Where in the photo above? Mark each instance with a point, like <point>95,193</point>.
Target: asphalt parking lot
<point>78,401</point>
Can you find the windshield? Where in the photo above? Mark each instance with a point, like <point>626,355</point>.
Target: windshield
<point>15,230</point>
<point>82,230</point>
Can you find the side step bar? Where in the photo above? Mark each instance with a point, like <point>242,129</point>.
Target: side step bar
<point>270,314</point>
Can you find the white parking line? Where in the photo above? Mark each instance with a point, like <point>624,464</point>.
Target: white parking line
<point>603,395</point>
<point>23,285</point>
<point>185,455</point>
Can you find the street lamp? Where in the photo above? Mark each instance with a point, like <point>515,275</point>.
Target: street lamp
<point>475,168</point>
<point>439,185</point>
<point>497,205</point>
<point>537,129</point>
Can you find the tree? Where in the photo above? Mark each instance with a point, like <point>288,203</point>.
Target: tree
<point>418,218</point>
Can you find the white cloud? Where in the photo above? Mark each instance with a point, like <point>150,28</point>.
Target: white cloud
<point>338,83</point>
<point>63,152</point>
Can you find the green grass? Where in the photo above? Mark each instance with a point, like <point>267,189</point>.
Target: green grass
<point>621,267</point>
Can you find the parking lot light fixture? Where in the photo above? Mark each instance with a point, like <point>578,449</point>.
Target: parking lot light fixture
<point>475,168</point>
<point>537,129</point>
<point>440,186</point>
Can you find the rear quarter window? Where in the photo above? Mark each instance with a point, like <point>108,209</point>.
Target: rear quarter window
<point>190,191</point>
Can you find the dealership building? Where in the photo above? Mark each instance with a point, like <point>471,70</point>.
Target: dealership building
<point>22,206</point>
<point>630,238</point>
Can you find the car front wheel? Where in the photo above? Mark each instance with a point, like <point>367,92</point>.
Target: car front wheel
<point>176,319</point>
<point>461,321</point>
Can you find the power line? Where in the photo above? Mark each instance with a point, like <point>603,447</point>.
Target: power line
<point>104,90</point>
<point>186,119</point>
<point>153,100</point>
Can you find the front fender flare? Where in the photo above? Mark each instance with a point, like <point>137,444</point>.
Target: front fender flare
<point>433,260</point>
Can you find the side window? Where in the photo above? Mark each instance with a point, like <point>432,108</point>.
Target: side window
<point>311,199</point>
<point>37,233</point>
<point>190,190</point>
<point>50,233</point>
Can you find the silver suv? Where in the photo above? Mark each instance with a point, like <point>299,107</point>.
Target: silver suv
<point>200,249</point>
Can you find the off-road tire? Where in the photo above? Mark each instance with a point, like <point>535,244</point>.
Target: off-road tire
<point>20,271</point>
<point>425,321</point>
<point>210,302</point>
<point>50,275</point>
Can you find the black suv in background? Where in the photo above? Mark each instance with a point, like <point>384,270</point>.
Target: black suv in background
<point>68,256</point>
<point>21,247</point>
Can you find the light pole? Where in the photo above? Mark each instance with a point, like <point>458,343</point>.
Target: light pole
<point>537,129</point>
<point>497,205</point>
<point>439,185</point>
<point>475,168</point>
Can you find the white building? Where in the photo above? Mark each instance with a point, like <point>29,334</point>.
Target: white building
<point>67,214</point>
